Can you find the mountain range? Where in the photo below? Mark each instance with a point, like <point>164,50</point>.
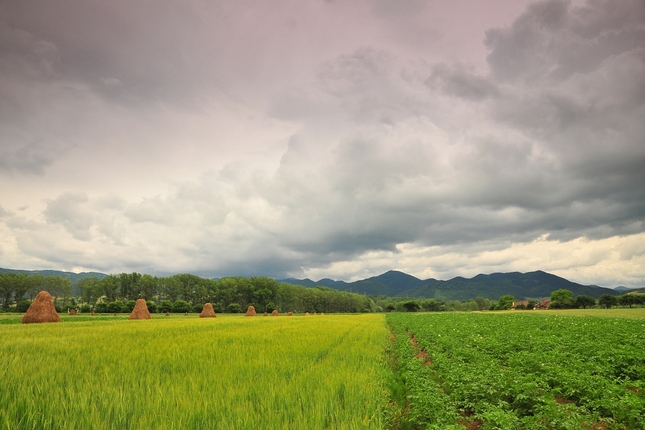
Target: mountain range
<point>522,286</point>
<point>533,285</point>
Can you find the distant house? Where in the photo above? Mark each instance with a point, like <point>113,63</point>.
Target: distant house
<point>544,304</point>
<point>523,304</point>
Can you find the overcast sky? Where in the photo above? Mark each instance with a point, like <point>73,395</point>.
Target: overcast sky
<point>332,139</point>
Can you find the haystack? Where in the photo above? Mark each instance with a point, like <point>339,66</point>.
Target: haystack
<point>265,314</point>
<point>208,311</point>
<point>72,312</point>
<point>306,314</point>
<point>290,314</point>
<point>42,310</point>
<point>250,312</point>
<point>140,311</point>
<point>274,313</point>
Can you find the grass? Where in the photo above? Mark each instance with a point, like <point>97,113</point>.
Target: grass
<point>184,372</point>
<point>594,312</point>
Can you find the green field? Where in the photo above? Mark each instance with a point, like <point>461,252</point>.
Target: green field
<point>570,369</point>
<point>521,370</point>
<point>184,372</point>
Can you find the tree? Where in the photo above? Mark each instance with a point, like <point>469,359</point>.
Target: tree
<point>7,288</point>
<point>90,288</point>
<point>152,306</point>
<point>234,308</point>
<point>410,306</point>
<point>181,306</point>
<point>431,305</point>
<point>628,300</point>
<point>23,306</point>
<point>110,287</point>
<point>505,302</point>
<point>583,301</point>
<point>115,307</point>
<point>561,298</point>
<point>482,303</point>
<point>148,287</point>
<point>607,300</point>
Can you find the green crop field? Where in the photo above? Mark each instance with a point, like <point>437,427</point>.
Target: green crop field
<point>522,370</point>
<point>184,372</point>
<point>569,369</point>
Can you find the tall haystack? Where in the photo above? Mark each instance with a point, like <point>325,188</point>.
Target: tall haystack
<point>140,311</point>
<point>208,311</point>
<point>250,312</point>
<point>274,313</point>
<point>42,310</point>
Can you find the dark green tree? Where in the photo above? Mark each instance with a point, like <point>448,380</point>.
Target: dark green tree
<point>607,300</point>
<point>234,308</point>
<point>181,306</point>
<point>505,302</point>
<point>410,306</point>
<point>627,300</point>
<point>584,302</point>
<point>561,299</point>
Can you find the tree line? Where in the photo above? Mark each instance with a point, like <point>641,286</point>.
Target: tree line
<point>179,293</point>
<point>559,299</point>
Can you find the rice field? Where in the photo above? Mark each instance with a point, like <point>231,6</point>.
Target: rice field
<point>230,372</point>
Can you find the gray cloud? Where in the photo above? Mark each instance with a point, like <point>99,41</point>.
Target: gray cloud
<point>461,81</point>
<point>241,138</point>
<point>68,210</point>
<point>31,159</point>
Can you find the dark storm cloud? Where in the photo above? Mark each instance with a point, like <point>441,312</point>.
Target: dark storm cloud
<point>568,167</point>
<point>30,159</point>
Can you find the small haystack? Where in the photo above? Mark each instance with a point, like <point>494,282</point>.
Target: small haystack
<point>290,314</point>
<point>306,314</point>
<point>72,312</point>
<point>274,313</point>
<point>322,313</point>
<point>265,314</point>
<point>250,312</point>
<point>42,310</point>
<point>167,313</point>
<point>140,311</point>
<point>208,311</point>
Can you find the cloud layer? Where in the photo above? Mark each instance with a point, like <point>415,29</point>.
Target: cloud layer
<point>324,139</point>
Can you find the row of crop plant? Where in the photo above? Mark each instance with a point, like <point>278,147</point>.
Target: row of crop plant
<point>521,370</point>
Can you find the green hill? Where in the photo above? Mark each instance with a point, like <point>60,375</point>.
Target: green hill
<point>520,285</point>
